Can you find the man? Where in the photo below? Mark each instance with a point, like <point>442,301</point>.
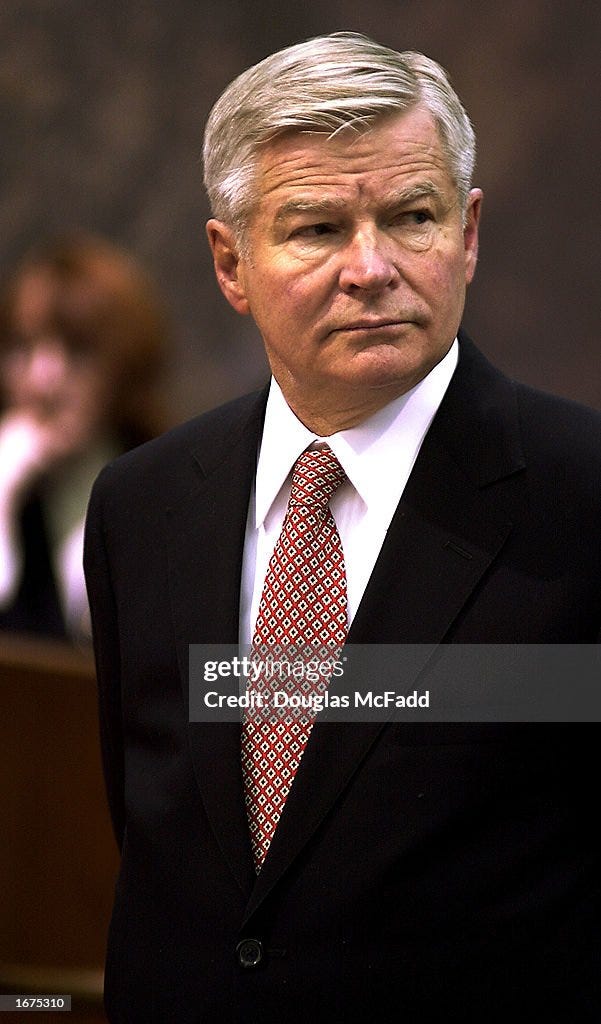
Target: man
<point>409,871</point>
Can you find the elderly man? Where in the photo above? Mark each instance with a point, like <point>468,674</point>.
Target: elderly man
<point>389,487</point>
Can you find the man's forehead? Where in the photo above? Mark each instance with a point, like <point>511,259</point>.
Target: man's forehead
<point>398,153</point>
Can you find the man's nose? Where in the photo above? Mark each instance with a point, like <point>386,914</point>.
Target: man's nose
<point>368,263</point>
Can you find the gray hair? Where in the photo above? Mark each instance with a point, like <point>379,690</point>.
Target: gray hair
<point>342,80</point>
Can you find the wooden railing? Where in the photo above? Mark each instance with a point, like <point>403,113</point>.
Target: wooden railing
<point>58,858</point>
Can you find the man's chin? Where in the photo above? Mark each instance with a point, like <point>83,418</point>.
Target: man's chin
<point>386,366</point>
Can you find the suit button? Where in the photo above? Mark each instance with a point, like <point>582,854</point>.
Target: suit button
<point>250,952</point>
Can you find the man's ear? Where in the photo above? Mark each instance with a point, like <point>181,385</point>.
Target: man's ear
<point>470,232</point>
<point>226,260</point>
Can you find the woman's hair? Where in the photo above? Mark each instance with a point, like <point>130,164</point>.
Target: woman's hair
<point>100,303</point>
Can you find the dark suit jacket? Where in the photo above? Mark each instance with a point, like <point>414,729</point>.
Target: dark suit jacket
<point>419,872</point>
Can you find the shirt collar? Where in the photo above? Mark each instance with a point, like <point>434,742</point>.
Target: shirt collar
<point>366,452</point>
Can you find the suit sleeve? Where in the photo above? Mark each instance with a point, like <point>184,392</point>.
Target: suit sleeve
<point>105,630</point>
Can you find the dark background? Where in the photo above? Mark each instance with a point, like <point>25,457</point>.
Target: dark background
<point>102,105</point>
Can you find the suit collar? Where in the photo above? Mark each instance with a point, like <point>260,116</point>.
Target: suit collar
<point>478,420</point>
<point>233,431</point>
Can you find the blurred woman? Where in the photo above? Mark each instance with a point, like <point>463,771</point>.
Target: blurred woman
<point>82,344</point>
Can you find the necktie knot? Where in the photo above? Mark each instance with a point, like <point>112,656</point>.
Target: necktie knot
<point>316,476</point>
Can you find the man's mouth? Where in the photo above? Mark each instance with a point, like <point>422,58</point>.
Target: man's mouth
<point>372,324</point>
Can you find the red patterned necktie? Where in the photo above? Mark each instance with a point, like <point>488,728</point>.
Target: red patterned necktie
<point>304,605</point>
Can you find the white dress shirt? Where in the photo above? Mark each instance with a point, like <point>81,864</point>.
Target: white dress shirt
<point>64,497</point>
<point>377,457</point>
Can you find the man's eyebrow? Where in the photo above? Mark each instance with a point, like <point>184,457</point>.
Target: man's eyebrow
<point>315,206</point>
<point>322,206</point>
<point>412,194</point>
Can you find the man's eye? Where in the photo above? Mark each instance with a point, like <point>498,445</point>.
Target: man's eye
<point>420,216</point>
<point>413,218</point>
<point>313,230</point>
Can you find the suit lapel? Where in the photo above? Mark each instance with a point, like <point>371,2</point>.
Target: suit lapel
<point>205,531</point>
<point>455,514</point>
<point>454,518</point>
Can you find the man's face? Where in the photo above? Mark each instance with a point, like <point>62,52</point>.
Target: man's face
<point>356,265</point>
